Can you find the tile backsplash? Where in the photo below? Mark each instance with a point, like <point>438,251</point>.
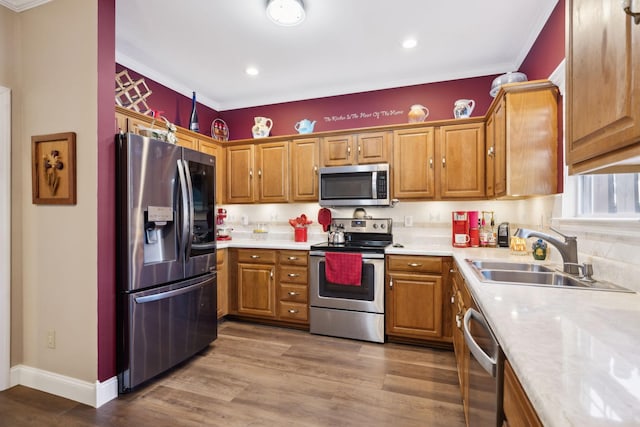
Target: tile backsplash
<point>613,247</point>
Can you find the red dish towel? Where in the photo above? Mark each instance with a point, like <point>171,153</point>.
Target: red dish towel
<point>343,268</point>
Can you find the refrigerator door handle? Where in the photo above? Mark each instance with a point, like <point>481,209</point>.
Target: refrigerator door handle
<point>170,294</point>
<point>488,362</point>
<point>187,174</point>
<point>185,206</point>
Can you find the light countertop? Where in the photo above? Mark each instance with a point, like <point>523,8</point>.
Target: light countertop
<point>575,351</point>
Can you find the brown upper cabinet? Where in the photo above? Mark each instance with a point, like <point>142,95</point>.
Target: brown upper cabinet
<point>413,167</point>
<point>353,149</point>
<point>461,162</point>
<point>439,162</point>
<point>522,140</point>
<point>305,161</point>
<point>258,173</point>
<point>603,85</point>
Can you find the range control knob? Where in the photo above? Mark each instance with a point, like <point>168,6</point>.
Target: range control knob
<point>382,226</point>
<point>375,226</point>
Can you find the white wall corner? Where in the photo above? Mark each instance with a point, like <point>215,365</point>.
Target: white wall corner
<point>92,394</point>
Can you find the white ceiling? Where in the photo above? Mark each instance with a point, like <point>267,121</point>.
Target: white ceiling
<point>343,46</point>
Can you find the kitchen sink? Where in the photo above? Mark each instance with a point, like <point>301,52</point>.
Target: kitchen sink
<point>530,274</point>
<point>518,266</point>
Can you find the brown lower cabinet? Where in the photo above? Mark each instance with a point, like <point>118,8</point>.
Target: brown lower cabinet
<point>460,301</point>
<point>518,411</point>
<point>415,297</point>
<point>222,268</point>
<point>269,285</point>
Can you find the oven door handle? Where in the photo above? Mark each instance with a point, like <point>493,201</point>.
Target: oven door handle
<point>365,256</point>
<point>488,363</point>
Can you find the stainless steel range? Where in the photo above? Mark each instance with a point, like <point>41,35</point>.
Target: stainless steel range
<point>347,280</point>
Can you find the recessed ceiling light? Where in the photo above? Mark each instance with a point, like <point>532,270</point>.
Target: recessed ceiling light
<point>409,43</point>
<point>252,71</point>
<point>286,12</point>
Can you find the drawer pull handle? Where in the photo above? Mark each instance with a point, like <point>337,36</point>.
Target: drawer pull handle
<point>292,311</point>
<point>292,258</point>
<point>293,275</point>
<point>293,294</point>
<point>414,264</point>
<point>255,256</point>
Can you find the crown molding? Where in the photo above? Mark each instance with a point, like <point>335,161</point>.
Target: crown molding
<point>22,5</point>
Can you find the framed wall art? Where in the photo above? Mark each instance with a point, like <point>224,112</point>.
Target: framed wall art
<point>53,169</point>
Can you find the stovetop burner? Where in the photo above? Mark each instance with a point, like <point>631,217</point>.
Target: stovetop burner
<point>361,235</point>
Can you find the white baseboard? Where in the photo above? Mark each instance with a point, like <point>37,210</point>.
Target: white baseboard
<point>92,394</point>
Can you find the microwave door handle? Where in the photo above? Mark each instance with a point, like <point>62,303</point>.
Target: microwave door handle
<point>185,206</point>
<point>487,362</point>
<point>374,184</point>
<point>187,174</point>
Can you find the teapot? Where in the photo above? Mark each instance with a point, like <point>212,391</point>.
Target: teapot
<point>304,126</point>
<point>336,237</point>
<point>463,107</point>
<point>418,113</point>
<point>262,127</point>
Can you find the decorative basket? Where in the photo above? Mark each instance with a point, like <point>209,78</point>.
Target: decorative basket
<point>219,130</point>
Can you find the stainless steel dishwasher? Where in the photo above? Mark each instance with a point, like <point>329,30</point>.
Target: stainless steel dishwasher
<point>486,367</point>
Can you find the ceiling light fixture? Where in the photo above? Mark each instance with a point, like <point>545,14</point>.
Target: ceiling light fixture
<point>409,43</point>
<point>286,12</point>
<point>252,71</point>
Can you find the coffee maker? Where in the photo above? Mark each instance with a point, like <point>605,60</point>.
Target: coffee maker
<point>223,232</point>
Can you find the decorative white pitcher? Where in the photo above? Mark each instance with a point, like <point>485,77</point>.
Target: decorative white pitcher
<point>463,107</point>
<point>262,127</point>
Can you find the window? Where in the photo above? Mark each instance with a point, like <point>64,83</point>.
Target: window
<point>615,195</point>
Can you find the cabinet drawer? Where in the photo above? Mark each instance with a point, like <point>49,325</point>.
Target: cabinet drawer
<point>257,255</point>
<point>293,257</point>
<point>294,311</point>
<point>421,264</point>
<point>291,274</point>
<point>293,293</point>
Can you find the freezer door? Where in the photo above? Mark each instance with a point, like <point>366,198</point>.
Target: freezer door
<point>200,247</point>
<point>164,327</point>
<point>150,225</point>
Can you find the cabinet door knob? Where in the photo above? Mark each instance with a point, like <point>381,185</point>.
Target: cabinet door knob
<point>444,162</point>
<point>250,173</point>
<point>491,151</point>
<point>259,173</point>
<point>315,169</point>
<point>390,283</point>
<point>348,152</point>
<point>431,163</point>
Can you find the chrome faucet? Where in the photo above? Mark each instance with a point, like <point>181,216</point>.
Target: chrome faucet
<point>568,249</point>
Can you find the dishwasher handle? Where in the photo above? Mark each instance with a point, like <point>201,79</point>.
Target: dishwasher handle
<point>488,363</point>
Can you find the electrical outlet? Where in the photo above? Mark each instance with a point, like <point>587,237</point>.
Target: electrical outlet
<point>51,338</point>
<point>408,221</point>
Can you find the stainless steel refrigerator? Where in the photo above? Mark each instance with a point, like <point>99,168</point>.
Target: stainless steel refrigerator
<point>166,256</point>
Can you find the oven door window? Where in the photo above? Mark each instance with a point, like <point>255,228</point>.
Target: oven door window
<point>364,292</point>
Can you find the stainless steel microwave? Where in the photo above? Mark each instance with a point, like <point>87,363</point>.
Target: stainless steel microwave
<point>357,185</point>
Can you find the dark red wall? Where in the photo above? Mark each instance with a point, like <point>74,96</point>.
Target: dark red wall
<point>365,109</point>
<point>176,107</point>
<point>106,194</point>
<point>548,50</point>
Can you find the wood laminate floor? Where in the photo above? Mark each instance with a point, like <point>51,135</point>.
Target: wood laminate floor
<point>255,375</point>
